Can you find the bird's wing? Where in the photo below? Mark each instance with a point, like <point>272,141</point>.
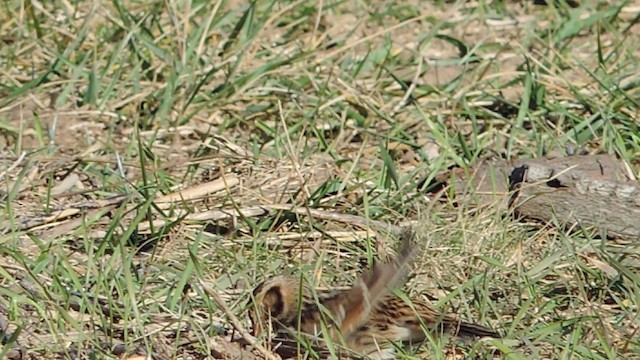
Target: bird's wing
<point>356,303</point>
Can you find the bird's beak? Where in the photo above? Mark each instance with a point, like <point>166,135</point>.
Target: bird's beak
<point>256,331</point>
<point>256,326</point>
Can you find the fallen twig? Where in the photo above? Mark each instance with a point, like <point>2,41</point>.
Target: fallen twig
<point>235,322</point>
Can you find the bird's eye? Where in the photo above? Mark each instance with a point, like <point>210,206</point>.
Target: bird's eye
<point>257,290</point>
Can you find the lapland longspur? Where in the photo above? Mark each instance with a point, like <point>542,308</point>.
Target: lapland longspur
<point>366,318</point>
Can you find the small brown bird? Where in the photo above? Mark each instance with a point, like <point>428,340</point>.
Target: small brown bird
<point>366,318</point>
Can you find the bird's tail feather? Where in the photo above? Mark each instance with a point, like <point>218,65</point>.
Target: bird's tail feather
<point>474,330</point>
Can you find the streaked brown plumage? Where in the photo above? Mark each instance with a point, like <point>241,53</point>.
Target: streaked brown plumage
<point>366,317</point>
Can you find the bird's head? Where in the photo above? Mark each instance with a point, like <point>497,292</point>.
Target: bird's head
<point>274,301</point>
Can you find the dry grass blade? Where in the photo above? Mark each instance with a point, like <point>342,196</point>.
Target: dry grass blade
<point>198,191</point>
<point>343,218</point>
